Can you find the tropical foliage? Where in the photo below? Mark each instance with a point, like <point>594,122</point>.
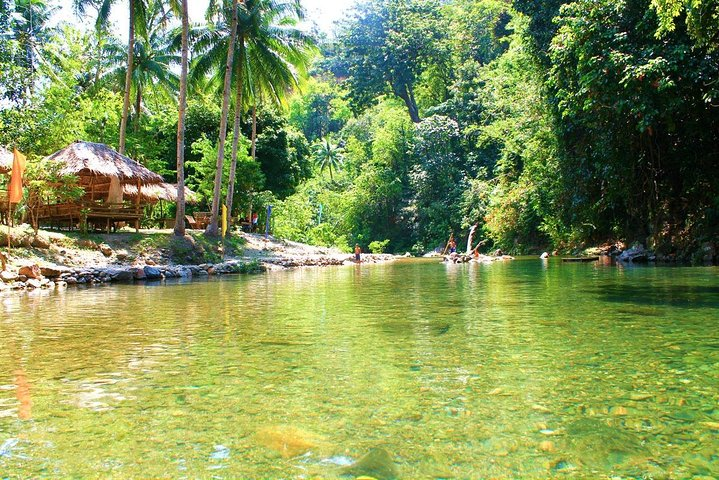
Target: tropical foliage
<point>548,124</point>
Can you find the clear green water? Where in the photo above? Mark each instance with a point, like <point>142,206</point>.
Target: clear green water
<point>515,370</point>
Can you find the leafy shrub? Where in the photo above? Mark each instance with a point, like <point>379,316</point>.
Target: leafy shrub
<point>378,247</point>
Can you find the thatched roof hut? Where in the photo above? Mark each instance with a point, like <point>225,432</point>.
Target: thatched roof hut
<point>160,191</point>
<point>99,160</point>
<point>6,158</point>
<point>98,167</point>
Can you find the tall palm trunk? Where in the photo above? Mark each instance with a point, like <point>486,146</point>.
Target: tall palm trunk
<point>138,106</point>
<point>254,131</point>
<point>235,137</point>
<point>212,229</point>
<point>182,108</point>
<point>128,77</point>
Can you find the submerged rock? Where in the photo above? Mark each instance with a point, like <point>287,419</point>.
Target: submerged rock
<point>376,464</point>
<point>287,441</point>
<point>604,446</point>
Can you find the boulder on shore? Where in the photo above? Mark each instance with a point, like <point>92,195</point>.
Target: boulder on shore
<point>636,254</point>
<point>152,273</point>
<point>40,242</point>
<point>30,271</point>
<point>52,271</point>
<point>8,277</point>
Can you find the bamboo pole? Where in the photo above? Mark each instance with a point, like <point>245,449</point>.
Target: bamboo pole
<point>137,206</point>
<point>9,216</point>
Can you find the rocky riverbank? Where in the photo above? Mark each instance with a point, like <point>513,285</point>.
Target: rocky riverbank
<point>55,260</point>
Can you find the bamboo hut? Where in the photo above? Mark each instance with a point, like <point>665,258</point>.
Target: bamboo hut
<point>103,174</point>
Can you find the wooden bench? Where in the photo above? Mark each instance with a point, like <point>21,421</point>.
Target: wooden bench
<point>202,219</point>
<point>191,222</point>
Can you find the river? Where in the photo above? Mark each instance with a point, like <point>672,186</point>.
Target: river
<point>524,369</point>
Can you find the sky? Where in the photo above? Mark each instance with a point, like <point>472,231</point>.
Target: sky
<point>322,12</point>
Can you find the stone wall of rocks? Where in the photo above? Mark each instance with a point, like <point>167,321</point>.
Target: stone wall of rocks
<point>33,277</point>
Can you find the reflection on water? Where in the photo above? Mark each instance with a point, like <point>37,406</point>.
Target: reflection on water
<point>417,369</point>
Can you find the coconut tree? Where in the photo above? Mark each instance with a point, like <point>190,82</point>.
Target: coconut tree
<point>29,29</point>
<point>328,155</point>
<point>153,58</point>
<point>212,229</point>
<point>137,9</point>
<point>104,42</point>
<point>270,52</point>
<point>180,212</point>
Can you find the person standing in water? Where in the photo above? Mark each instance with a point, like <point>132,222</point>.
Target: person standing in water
<point>358,252</point>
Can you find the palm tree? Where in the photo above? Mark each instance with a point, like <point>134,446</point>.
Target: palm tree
<point>270,54</point>
<point>328,155</point>
<point>153,57</point>
<point>137,11</point>
<point>29,29</point>
<point>104,41</point>
<point>137,22</point>
<point>212,229</point>
<point>180,212</point>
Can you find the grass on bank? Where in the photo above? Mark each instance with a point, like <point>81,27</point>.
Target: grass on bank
<point>194,248</point>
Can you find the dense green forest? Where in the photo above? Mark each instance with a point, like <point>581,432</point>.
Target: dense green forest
<point>548,124</point>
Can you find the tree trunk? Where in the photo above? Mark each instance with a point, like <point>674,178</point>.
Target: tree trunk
<point>98,54</point>
<point>404,92</point>
<point>128,78</point>
<point>254,132</point>
<point>235,139</point>
<point>212,229</point>
<point>182,108</point>
<point>138,106</point>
